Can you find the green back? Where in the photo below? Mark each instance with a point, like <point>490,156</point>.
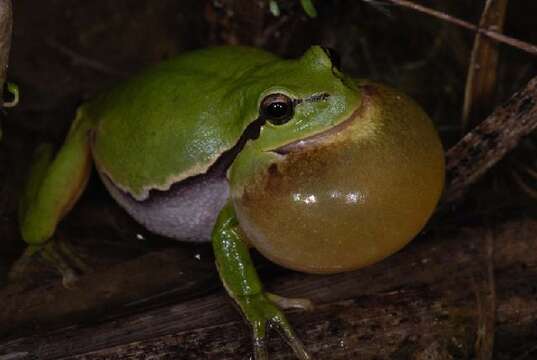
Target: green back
<point>175,119</point>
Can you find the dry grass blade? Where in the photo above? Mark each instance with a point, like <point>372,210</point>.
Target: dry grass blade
<point>519,44</point>
<point>6,24</point>
<point>481,79</point>
<point>486,303</point>
<point>526,186</point>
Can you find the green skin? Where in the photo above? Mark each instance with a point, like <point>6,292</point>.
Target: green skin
<point>182,116</point>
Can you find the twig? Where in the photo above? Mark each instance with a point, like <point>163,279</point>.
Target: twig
<point>6,24</point>
<point>486,304</point>
<point>78,59</point>
<point>488,142</point>
<point>519,44</point>
<point>526,354</point>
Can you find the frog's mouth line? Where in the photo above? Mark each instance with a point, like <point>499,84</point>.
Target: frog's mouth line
<point>219,168</point>
<point>312,140</point>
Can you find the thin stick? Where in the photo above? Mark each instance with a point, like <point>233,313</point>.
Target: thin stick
<point>486,304</point>
<point>6,24</point>
<point>84,61</point>
<point>519,44</point>
<point>489,141</point>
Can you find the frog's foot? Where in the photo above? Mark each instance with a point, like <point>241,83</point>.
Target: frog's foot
<point>262,314</point>
<point>59,254</point>
<point>65,259</point>
<point>240,279</point>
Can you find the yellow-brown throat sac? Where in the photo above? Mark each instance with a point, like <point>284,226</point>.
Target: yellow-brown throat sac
<point>354,197</point>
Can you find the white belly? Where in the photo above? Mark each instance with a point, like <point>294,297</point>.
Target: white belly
<point>187,211</point>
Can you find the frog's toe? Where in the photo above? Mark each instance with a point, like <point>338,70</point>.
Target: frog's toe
<point>73,257</point>
<point>57,254</point>
<point>286,331</point>
<point>290,303</point>
<point>66,260</point>
<point>260,349</point>
<point>262,314</point>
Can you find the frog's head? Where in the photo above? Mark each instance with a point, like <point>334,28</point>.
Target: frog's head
<point>298,98</point>
<point>342,172</point>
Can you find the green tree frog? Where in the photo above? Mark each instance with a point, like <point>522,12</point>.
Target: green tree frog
<point>318,171</point>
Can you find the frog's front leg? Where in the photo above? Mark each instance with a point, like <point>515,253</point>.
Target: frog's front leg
<point>243,285</point>
<point>52,188</point>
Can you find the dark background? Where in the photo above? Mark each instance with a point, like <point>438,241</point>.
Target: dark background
<point>65,51</point>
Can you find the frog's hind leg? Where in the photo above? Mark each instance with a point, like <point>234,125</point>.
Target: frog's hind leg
<point>54,185</point>
<point>240,279</point>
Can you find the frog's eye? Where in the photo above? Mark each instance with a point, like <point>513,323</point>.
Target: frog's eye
<point>277,108</point>
<point>334,57</point>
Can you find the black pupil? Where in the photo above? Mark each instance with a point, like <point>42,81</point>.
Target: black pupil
<point>277,110</point>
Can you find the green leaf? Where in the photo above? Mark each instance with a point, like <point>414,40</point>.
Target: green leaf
<point>308,7</point>
<point>274,8</point>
